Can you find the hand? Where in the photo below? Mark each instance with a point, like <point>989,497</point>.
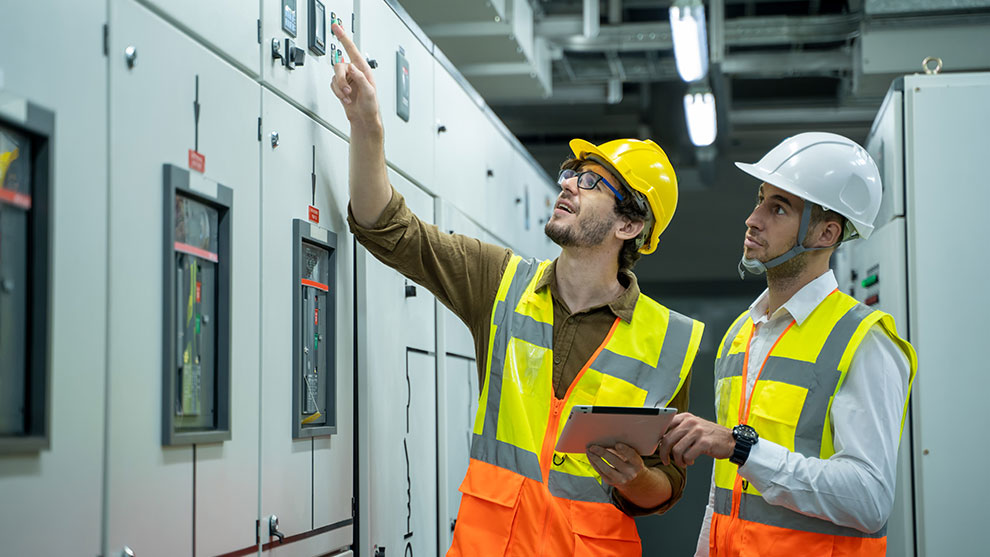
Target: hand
<point>623,467</point>
<point>689,437</point>
<point>354,85</point>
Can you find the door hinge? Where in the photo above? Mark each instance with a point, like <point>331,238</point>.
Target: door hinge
<point>259,128</point>
<point>353,507</point>
<point>259,31</point>
<point>106,39</point>
<point>257,532</point>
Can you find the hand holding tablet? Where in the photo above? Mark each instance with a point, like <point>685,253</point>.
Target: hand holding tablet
<point>640,428</point>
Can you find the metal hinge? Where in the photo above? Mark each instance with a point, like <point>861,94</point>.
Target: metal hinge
<point>259,128</point>
<point>353,507</point>
<point>106,39</point>
<point>257,532</point>
<point>259,31</point>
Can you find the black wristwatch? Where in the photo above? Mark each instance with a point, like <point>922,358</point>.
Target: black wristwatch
<point>745,437</point>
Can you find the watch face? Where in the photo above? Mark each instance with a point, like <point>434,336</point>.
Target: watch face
<point>744,432</point>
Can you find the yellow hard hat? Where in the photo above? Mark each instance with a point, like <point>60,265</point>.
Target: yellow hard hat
<point>642,166</point>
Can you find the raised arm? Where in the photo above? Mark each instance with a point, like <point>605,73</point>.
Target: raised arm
<point>354,85</point>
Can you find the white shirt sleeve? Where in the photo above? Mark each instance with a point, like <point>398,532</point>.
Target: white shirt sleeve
<point>855,487</point>
<point>706,524</point>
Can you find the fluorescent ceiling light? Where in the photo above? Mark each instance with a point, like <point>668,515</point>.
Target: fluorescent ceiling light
<point>687,26</point>
<point>699,111</point>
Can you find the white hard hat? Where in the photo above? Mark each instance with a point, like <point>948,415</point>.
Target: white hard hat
<point>828,169</point>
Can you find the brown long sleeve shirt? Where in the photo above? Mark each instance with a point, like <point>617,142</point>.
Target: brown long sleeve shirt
<point>464,274</point>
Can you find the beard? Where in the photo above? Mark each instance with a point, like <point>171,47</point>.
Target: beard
<point>586,234</point>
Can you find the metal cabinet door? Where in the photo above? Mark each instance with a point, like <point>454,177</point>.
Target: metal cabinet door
<point>228,26</point>
<point>462,394</point>
<point>307,483</point>
<point>946,118</point>
<point>154,491</point>
<point>397,393</point>
<point>68,476</point>
<point>408,144</point>
<point>459,152</point>
<point>308,85</point>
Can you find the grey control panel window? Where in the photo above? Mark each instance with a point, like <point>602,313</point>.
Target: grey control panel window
<point>25,282</point>
<point>196,343</point>
<point>314,338</point>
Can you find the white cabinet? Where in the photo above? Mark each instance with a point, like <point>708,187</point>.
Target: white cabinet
<point>155,489</point>
<point>59,489</point>
<point>307,482</point>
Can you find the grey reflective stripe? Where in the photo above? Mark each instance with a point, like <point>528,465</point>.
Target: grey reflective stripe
<point>723,501</point>
<point>577,488</point>
<point>820,379</point>
<point>729,366</point>
<point>672,356</point>
<point>660,381</point>
<point>532,331</point>
<point>624,367</point>
<point>505,455</point>
<point>504,313</point>
<point>754,509</point>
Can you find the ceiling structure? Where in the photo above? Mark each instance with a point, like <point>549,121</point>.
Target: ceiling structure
<point>602,69</point>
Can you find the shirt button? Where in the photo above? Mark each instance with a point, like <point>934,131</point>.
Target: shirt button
<point>556,359</point>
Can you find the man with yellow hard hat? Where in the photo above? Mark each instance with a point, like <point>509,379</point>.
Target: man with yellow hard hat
<point>549,335</point>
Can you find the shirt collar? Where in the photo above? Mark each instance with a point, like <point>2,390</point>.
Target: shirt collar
<point>800,305</point>
<point>622,307</point>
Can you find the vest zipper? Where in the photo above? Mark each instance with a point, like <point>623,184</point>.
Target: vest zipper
<point>546,459</point>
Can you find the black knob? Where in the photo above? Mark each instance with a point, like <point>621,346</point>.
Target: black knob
<point>372,62</point>
<point>298,56</point>
<point>441,128</point>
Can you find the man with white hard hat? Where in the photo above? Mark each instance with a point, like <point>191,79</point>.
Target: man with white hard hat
<point>811,386</point>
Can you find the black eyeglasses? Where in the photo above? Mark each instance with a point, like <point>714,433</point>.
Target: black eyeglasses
<point>586,180</point>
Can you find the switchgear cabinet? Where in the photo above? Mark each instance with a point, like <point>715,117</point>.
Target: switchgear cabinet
<point>313,347</point>
<point>25,188</point>
<point>196,310</point>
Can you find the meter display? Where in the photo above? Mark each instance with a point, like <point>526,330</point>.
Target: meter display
<point>317,27</point>
<point>25,158</point>
<point>314,315</point>
<point>197,309</point>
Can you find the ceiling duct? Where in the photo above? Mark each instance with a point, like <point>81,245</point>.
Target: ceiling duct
<point>491,42</point>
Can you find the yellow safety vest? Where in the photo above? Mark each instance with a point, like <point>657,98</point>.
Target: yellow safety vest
<point>521,497</point>
<point>790,405</point>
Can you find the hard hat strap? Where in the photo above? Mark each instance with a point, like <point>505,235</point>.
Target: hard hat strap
<point>757,267</point>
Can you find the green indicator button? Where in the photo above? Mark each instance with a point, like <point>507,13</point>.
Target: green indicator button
<point>870,280</point>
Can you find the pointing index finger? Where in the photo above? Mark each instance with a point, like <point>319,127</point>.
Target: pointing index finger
<point>352,51</point>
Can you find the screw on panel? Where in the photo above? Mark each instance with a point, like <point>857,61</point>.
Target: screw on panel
<point>130,55</point>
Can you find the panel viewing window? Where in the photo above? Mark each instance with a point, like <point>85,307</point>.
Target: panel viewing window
<point>314,345</point>
<point>25,281</point>
<point>196,370</point>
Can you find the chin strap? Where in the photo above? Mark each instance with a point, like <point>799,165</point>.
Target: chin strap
<point>757,267</point>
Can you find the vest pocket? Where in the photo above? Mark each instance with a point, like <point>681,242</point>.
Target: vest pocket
<point>600,529</point>
<point>489,501</point>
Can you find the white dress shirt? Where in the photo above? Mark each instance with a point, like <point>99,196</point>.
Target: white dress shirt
<point>855,486</point>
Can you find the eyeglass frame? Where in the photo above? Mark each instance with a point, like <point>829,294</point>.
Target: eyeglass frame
<point>579,175</point>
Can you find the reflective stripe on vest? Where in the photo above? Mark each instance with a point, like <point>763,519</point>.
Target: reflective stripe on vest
<point>642,363</point>
<point>792,398</point>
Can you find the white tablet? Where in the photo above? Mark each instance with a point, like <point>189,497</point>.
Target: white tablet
<point>640,428</point>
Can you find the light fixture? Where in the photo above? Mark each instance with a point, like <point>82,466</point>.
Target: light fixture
<point>687,26</point>
<point>699,111</point>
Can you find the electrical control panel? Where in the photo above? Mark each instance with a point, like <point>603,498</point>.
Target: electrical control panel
<point>196,320</point>
<point>314,314</point>
<point>25,283</point>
